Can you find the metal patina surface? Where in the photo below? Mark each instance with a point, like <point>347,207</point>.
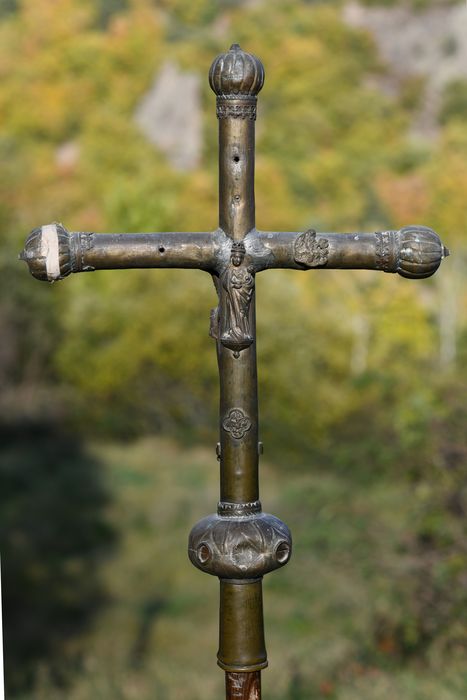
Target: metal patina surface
<point>240,543</point>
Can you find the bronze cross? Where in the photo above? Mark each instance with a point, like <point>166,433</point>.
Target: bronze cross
<point>239,543</point>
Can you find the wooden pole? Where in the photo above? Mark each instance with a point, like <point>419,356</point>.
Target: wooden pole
<point>243,686</point>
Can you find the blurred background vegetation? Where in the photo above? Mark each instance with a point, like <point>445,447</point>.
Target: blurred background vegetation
<point>109,384</point>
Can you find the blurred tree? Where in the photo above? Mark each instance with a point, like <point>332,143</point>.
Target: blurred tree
<point>360,373</point>
<point>53,532</point>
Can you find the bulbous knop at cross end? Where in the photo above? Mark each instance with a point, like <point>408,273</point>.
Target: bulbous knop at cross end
<point>52,253</point>
<point>414,252</point>
<point>420,252</point>
<point>236,73</point>
<point>47,253</point>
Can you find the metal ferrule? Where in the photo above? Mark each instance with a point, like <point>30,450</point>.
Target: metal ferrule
<point>241,628</point>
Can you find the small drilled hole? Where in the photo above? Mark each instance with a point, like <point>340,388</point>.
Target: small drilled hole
<point>161,249</point>
<point>236,159</point>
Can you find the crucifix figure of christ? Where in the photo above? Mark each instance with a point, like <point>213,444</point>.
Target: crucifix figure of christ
<point>239,543</point>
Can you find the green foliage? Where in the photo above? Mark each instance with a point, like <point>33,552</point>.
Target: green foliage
<point>361,397</point>
<point>106,9</point>
<point>7,7</point>
<point>414,4</point>
<point>345,619</point>
<point>455,101</point>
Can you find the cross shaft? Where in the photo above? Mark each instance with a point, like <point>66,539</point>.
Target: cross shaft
<point>239,543</point>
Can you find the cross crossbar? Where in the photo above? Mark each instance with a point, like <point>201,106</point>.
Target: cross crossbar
<point>392,251</point>
<point>239,543</point>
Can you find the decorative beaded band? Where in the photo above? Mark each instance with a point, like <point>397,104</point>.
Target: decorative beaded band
<point>80,243</point>
<point>238,510</point>
<point>236,106</point>
<point>387,247</point>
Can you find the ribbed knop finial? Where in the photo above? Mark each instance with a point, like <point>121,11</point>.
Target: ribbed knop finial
<point>420,253</point>
<point>236,73</point>
<point>47,253</point>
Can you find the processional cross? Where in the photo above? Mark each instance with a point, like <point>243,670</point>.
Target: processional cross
<point>239,543</point>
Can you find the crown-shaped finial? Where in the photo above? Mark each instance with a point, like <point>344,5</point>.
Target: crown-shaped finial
<point>236,73</point>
